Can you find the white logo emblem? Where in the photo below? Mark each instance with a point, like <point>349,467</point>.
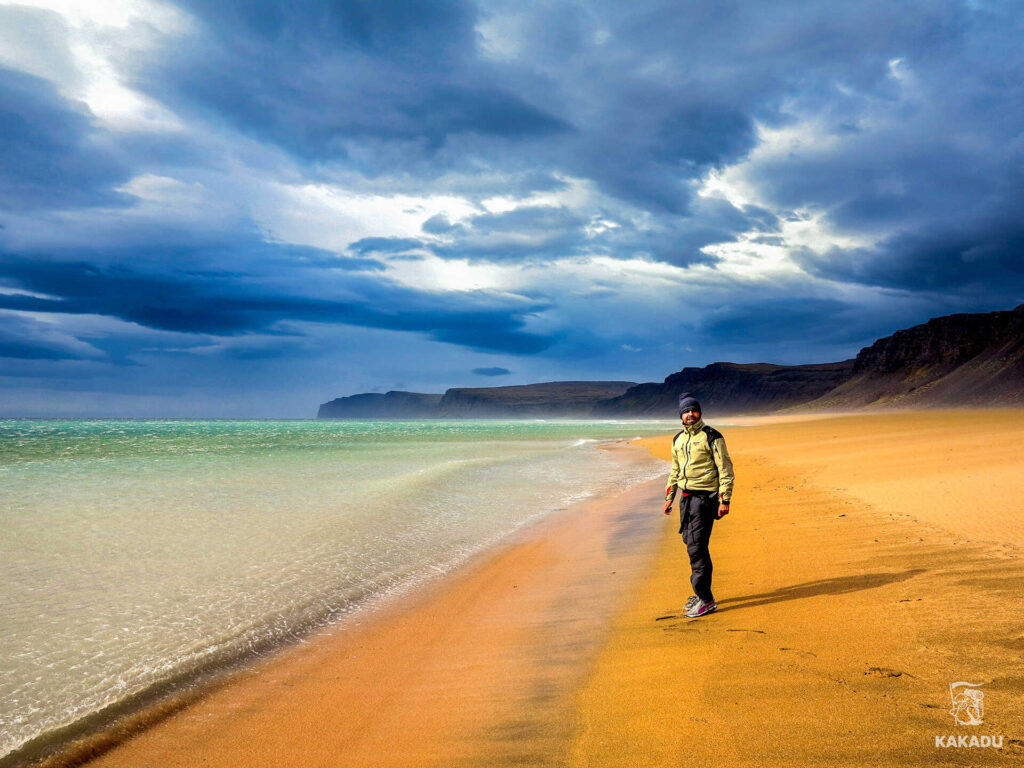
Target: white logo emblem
<point>968,703</point>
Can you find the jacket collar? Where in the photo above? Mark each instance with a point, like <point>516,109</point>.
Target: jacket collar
<point>697,427</point>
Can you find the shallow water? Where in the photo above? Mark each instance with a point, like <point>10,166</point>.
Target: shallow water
<point>138,552</point>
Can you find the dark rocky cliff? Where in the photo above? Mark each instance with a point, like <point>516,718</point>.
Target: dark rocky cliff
<point>964,359</point>
<point>557,398</point>
<point>372,405</point>
<point>730,388</point>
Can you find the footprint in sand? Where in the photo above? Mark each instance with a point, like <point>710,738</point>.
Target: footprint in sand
<point>1014,747</point>
<point>802,653</point>
<point>886,672</point>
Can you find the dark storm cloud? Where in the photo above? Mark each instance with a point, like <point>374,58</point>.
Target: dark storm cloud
<point>415,31</point>
<point>24,338</point>
<point>828,320</point>
<point>345,263</point>
<point>492,371</point>
<point>527,219</point>
<point>385,245</point>
<point>439,225</point>
<point>27,350</point>
<point>927,159</point>
<point>790,327</point>
<point>680,240</point>
<point>314,76</point>
<point>980,257</point>
<point>548,233</point>
<point>642,103</point>
<point>406,86</point>
<point>528,232</point>
<point>893,125</point>
<point>225,304</point>
<point>50,153</point>
<point>653,141</point>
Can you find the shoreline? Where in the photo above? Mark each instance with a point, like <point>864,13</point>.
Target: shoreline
<point>474,663</point>
<point>90,738</point>
<point>844,618</point>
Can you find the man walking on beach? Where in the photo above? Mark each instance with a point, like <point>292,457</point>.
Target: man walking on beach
<point>702,471</point>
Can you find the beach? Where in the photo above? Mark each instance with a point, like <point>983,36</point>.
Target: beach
<point>143,560</point>
<point>852,593</point>
<point>870,561</point>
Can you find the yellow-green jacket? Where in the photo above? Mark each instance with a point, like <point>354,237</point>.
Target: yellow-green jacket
<point>700,461</point>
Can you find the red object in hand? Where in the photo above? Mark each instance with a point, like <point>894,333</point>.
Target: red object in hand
<point>670,494</point>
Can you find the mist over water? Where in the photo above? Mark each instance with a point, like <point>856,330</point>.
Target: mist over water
<point>137,552</point>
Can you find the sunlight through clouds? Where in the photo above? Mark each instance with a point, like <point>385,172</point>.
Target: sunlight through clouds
<point>599,190</point>
<point>99,36</point>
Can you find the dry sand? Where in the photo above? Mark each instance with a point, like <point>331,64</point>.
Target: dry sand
<point>869,562</point>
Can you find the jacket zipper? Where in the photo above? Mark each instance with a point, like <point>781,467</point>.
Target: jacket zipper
<point>686,464</point>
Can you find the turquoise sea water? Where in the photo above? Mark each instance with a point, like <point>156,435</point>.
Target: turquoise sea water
<point>140,552</point>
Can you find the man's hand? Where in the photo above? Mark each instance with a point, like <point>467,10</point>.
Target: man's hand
<point>668,507</point>
<point>723,510</point>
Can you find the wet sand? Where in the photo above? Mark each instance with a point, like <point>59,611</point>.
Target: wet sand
<point>479,669</point>
<point>869,562</point>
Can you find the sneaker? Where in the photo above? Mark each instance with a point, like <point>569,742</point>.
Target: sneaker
<point>692,601</point>
<point>701,608</point>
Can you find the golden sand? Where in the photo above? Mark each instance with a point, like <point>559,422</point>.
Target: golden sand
<point>845,609</point>
<point>869,562</point>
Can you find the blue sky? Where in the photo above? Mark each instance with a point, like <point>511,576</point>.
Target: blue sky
<point>248,208</point>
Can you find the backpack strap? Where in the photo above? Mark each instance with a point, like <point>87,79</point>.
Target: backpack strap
<point>713,434</point>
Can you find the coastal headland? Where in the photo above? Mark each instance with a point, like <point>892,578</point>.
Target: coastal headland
<point>870,562</point>
<point>949,362</point>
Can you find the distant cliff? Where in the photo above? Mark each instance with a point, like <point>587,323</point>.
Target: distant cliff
<point>566,399</point>
<point>730,388</point>
<point>965,359</point>
<point>372,405</point>
<point>557,398</point>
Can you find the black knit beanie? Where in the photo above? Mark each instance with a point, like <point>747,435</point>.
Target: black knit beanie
<point>688,402</point>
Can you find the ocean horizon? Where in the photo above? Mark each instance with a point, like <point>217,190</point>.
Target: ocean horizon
<point>141,553</point>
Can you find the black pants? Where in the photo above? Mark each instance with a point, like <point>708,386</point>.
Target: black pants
<point>697,515</point>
